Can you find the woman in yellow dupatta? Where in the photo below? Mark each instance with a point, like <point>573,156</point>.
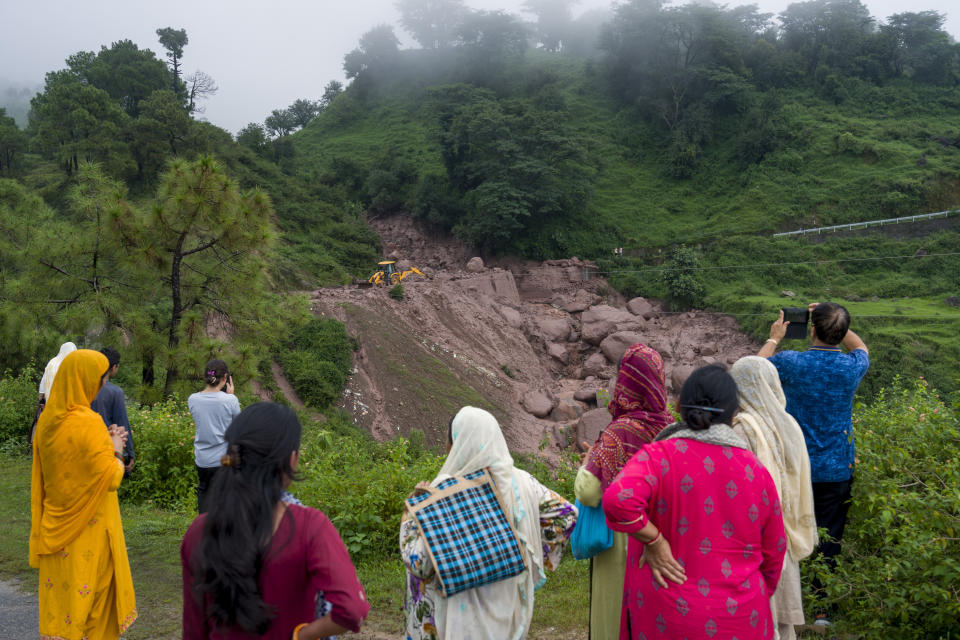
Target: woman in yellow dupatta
<point>76,537</point>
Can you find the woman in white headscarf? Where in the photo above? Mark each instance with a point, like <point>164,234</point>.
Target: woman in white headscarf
<point>543,522</point>
<point>50,372</point>
<point>777,441</point>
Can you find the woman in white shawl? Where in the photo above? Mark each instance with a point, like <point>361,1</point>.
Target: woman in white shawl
<point>777,441</point>
<point>50,372</point>
<point>543,521</point>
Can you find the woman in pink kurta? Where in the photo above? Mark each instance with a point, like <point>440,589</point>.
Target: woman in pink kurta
<point>707,534</point>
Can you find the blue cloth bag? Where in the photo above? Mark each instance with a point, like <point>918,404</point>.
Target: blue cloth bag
<point>591,534</point>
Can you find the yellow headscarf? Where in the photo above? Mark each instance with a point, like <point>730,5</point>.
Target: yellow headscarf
<point>73,458</point>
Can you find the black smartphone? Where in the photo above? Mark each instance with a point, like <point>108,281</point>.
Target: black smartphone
<point>798,319</point>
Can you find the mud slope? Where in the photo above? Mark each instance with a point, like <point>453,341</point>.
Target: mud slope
<point>531,342</point>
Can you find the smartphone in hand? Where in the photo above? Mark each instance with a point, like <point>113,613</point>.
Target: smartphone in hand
<point>798,319</point>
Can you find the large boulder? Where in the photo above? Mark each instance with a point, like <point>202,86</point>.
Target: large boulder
<point>537,403</point>
<point>594,365</point>
<point>475,264</point>
<point>636,323</point>
<point>553,329</point>
<point>579,301</point>
<point>591,424</point>
<point>640,307</point>
<point>601,320</point>
<point>586,393</point>
<point>614,345</point>
<point>558,352</point>
<point>567,410</point>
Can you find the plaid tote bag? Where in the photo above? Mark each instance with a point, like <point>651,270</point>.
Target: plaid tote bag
<point>467,534</point>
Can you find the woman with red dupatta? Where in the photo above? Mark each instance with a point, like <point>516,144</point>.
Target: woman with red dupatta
<point>639,410</point>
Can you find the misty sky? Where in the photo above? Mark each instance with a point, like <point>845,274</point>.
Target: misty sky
<point>263,55</point>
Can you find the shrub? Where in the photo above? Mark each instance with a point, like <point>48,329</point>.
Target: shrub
<point>901,555</point>
<point>18,403</point>
<point>361,484</point>
<point>317,360</point>
<point>163,474</point>
<point>396,292</point>
<point>682,278</point>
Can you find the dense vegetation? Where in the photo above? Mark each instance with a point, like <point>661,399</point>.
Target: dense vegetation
<point>688,136</point>
<point>112,234</point>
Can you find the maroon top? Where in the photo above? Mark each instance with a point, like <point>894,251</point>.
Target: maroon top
<point>301,562</point>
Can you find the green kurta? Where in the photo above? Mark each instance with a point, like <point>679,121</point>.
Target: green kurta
<point>607,569</point>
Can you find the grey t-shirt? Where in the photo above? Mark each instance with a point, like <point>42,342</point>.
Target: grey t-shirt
<point>212,413</point>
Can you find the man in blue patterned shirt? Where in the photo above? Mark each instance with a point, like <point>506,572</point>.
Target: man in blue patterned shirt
<point>819,384</point>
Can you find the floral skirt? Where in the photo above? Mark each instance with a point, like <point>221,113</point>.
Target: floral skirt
<point>78,590</point>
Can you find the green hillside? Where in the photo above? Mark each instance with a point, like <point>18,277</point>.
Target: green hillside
<point>875,155</point>
<point>883,151</point>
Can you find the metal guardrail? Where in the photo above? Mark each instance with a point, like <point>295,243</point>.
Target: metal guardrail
<point>869,223</point>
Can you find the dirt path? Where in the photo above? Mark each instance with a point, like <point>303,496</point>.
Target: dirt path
<point>18,611</point>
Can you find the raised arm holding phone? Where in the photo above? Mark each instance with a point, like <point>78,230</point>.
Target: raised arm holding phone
<point>819,385</point>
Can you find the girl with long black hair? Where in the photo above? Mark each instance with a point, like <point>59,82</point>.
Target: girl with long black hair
<point>255,565</point>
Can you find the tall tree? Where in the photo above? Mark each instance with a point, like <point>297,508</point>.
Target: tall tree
<point>378,47</point>
<point>827,32</point>
<point>280,122</point>
<point>159,132</point>
<point>487,40</point>
<point>73,122</point>
<point>330,91</point>
<point>173,40</point>
<point>432,23</point>
<point>13,142</point>
<point>303,111</point>
<point>919,47</point>
<point>254,137</point>
<point>128,74</point>
<point>199,86</point>
<point>206,240</point>
<point>554,21</point>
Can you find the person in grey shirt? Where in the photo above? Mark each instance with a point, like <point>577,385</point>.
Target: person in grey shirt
<point>213,409</point>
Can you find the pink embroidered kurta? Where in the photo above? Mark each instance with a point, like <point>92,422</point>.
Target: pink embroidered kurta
<point>719,510</point>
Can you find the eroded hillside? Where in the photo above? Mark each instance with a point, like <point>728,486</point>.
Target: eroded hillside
<point>531,342</point>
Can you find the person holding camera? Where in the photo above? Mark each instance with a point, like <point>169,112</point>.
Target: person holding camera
<point>213,409</point>
<point>819,385</point>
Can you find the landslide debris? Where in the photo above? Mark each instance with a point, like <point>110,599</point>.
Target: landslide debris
<point>534,343</point>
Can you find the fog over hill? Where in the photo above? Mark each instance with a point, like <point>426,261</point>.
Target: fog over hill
<point>262,55</point>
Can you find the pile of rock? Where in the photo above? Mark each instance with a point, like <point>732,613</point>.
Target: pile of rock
<point>585,340</point>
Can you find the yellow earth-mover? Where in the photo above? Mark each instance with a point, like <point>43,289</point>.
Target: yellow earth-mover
<point>387,273</point>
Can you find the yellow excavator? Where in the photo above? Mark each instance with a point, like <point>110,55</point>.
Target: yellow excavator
<point>387,273</point>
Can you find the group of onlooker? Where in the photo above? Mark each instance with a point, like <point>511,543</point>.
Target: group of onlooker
<point>711,515</point>
<point>721,506</point>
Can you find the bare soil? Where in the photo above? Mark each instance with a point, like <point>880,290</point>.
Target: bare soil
<point>481,337</point>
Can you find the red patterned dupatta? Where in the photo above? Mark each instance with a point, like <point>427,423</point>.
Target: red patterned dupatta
<point>639,410</point>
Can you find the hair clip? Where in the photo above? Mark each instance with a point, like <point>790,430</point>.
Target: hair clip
<point>702,408</point>
<point>211,373</point>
